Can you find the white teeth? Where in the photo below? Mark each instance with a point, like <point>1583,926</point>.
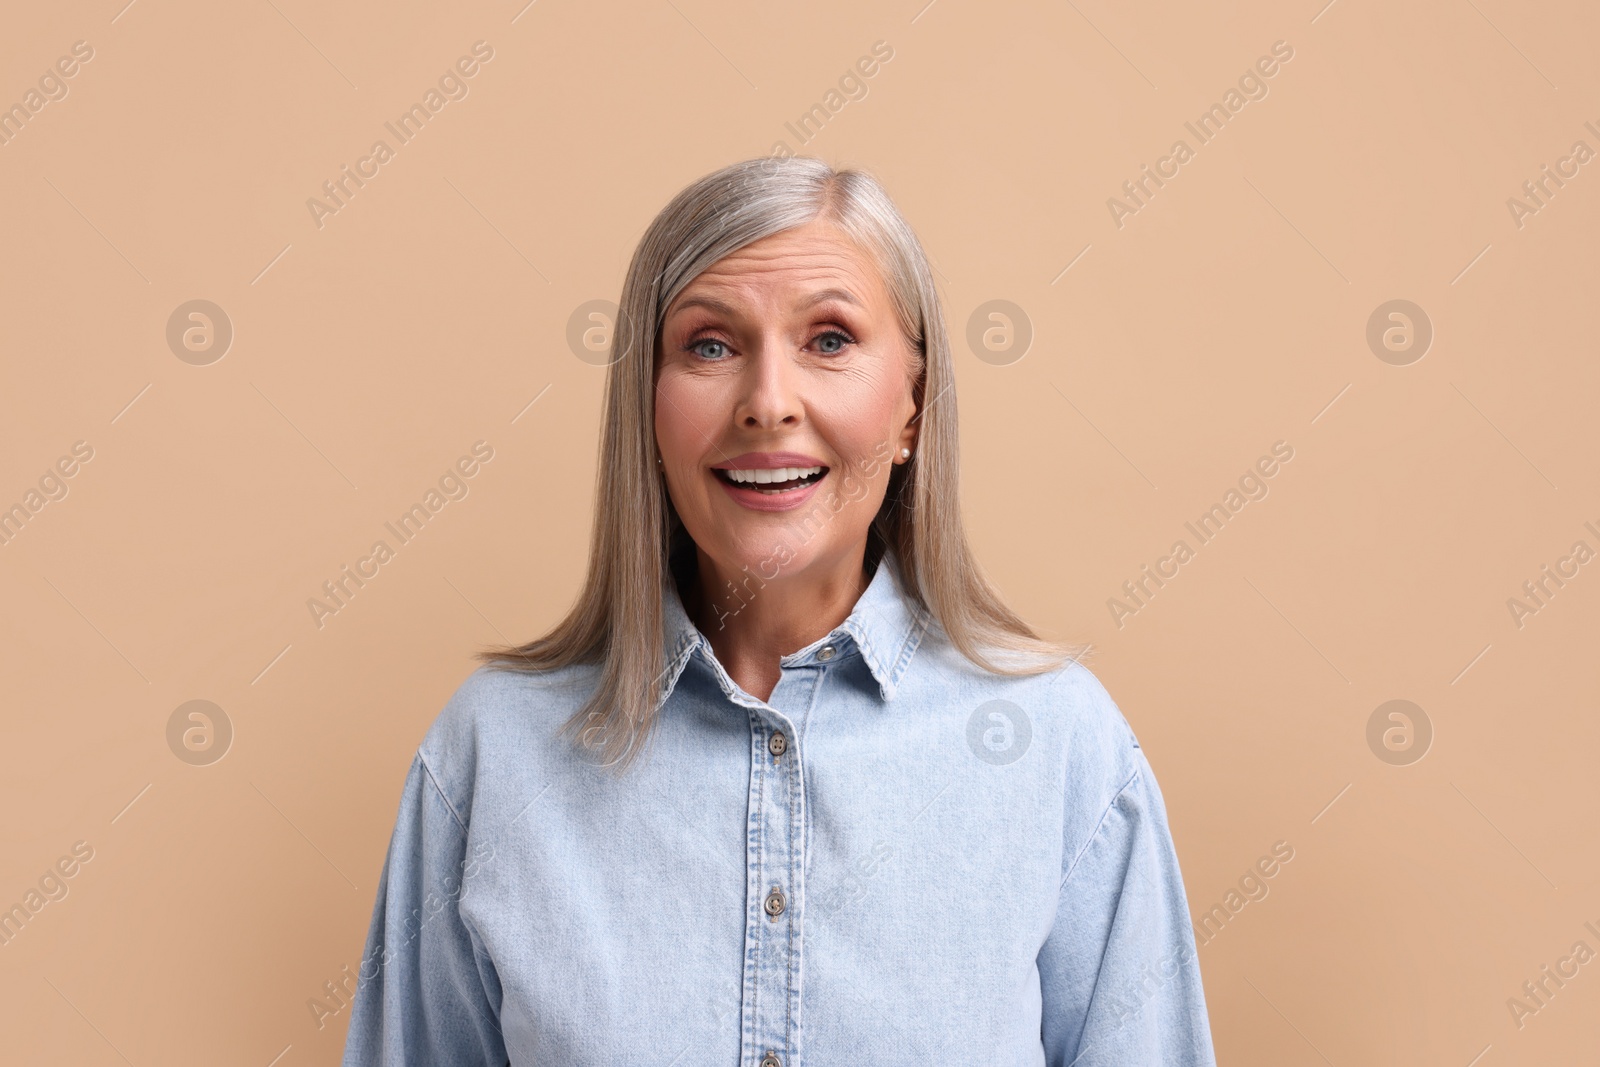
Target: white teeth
<point>775,474</point>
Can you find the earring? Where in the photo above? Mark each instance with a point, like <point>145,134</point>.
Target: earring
<point>905,453</point>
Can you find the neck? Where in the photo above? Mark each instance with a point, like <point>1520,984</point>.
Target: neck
<point>753,621</point>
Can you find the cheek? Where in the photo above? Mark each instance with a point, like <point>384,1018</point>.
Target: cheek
<point>861,414</point>
<point>685,418</point>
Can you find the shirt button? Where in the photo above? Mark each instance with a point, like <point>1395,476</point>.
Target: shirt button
<point>825,653</point>
<point>771,1059</point>
<point>774,905</point>
<point>777,744</point>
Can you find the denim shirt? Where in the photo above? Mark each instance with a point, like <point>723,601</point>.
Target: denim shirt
<point>896,858</point>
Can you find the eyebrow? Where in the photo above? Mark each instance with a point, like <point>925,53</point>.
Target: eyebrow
<point>819,297</point>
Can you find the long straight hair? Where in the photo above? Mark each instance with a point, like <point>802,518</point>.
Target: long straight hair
<point>616,622</point>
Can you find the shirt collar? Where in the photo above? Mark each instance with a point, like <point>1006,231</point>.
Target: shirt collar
<point>885,627</point>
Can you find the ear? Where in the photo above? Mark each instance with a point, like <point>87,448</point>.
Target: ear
<point>908,440</point>
<point>908,434</point>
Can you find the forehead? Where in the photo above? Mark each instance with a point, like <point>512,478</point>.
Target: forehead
<point>785,267</point>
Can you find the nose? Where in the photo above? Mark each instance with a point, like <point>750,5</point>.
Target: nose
<point>769,395</point>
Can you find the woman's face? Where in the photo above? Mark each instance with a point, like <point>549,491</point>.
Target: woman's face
<point>783,398</point>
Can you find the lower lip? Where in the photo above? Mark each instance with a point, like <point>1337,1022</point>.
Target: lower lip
<point>759,501</point>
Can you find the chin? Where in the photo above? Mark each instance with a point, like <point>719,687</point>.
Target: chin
<point>769,554</point>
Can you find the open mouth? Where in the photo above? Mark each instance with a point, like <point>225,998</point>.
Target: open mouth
<point>772,481</point>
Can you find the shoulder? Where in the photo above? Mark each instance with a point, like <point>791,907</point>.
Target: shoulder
<point>1110,798</point>
<point>496,719</point>
<point>1098,753</point>
<point>491,700</point>
<point>1067,709</point>
<point>1073,726</point>
<point>1093,722</point>
<point>1102,760</point>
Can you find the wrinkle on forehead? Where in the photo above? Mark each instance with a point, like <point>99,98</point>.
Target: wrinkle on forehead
<point>824,257</point>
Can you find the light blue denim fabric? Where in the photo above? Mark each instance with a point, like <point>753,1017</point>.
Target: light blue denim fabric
<point>943,867</point>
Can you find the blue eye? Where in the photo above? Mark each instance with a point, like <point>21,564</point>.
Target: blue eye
<point>695,347</point>
<point>844,339</point>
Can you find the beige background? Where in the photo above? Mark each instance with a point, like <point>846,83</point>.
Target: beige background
<point>1227,314</point>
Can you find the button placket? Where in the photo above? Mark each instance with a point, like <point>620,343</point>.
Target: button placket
<point>775,871</point>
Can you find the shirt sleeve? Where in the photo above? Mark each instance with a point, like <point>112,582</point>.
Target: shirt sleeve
<point>1119,973</point>
<point>426,992</point>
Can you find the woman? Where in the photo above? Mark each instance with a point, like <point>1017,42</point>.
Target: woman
<point>790,784</point>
